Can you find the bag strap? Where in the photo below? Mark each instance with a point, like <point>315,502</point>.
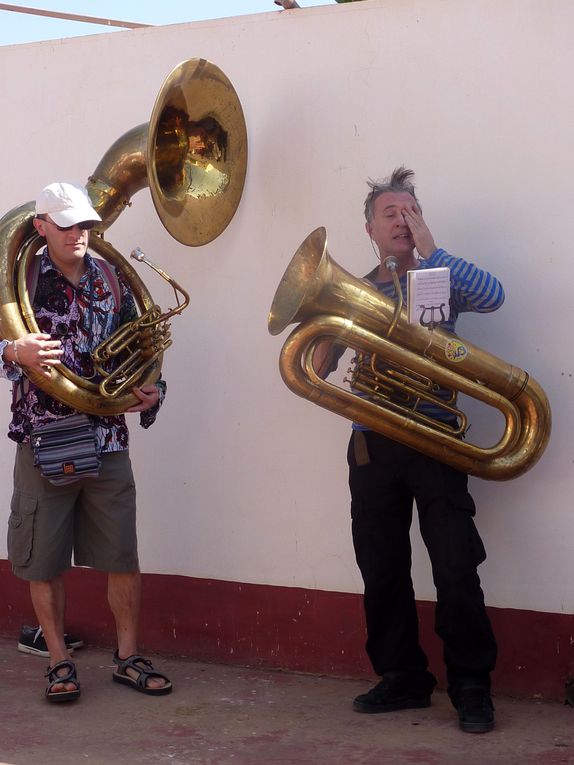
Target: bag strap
<point>32,277</point>
<point>111,278</point>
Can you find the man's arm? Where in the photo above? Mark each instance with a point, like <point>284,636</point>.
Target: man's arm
<point>472,289</point>
<point>326,357</point>
<point>156,397</point>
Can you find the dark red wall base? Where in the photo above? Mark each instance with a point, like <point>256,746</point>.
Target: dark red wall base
<point>289,628</point>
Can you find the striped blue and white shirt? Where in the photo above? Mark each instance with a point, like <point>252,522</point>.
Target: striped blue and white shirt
<point>471,288</point>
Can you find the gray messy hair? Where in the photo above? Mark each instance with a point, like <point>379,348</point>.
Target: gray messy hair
<point>399,180</point>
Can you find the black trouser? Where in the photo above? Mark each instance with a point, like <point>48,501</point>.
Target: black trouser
<point>382,491</point>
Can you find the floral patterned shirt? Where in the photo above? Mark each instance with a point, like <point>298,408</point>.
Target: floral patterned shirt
<point>81,318</point>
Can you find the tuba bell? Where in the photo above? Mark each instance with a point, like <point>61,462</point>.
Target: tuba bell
<point>329,304</point>
<point>193,156</point>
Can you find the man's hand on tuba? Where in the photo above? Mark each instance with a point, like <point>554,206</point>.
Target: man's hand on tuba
<point>148,396</point>
<point>36,351</point>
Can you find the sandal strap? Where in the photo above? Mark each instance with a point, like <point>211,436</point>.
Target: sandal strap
<point>135,662</point>
<point>130,661</point>
<point>65,664</point>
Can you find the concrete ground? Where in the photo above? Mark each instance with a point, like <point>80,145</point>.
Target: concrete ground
<point>222,715</point>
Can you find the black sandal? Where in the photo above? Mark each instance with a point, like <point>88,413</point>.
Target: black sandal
<point>145,672</point>
<point>55,679</point>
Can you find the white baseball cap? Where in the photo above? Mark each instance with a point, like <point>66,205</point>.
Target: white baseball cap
<point>66,204</point>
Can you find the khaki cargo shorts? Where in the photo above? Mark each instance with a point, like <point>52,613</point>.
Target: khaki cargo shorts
<point>94,518</point>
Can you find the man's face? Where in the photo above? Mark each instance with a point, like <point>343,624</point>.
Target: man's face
<point>65,246</point>
<point>388,228</point>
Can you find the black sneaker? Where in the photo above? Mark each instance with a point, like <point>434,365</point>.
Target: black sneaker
<point>475,709</point>
<point>32,641</point>
<point>396,691</point>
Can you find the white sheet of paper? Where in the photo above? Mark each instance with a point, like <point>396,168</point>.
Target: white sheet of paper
<point>428,295</point>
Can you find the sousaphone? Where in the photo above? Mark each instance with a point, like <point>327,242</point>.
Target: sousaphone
<point>193,156</point>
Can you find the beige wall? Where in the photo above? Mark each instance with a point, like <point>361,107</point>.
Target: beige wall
<point>240,479</point>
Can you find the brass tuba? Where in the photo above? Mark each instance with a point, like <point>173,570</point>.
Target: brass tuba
<point>193,156</point>
<point>332,305</point>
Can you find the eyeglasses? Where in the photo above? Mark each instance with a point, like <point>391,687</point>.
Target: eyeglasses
<point>85,225</point>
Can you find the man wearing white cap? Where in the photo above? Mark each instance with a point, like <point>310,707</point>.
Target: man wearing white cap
<point>76,308</point>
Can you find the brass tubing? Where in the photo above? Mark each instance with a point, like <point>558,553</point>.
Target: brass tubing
<point>518,449</point>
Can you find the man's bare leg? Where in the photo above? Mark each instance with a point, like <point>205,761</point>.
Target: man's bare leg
<point>124,597</point>
<point>49,601</point>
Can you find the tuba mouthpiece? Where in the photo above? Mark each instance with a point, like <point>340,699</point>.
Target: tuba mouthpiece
<point>391,263</point>
<point>137,254</point>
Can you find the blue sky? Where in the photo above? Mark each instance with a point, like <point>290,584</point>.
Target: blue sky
<point>22,27</point>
